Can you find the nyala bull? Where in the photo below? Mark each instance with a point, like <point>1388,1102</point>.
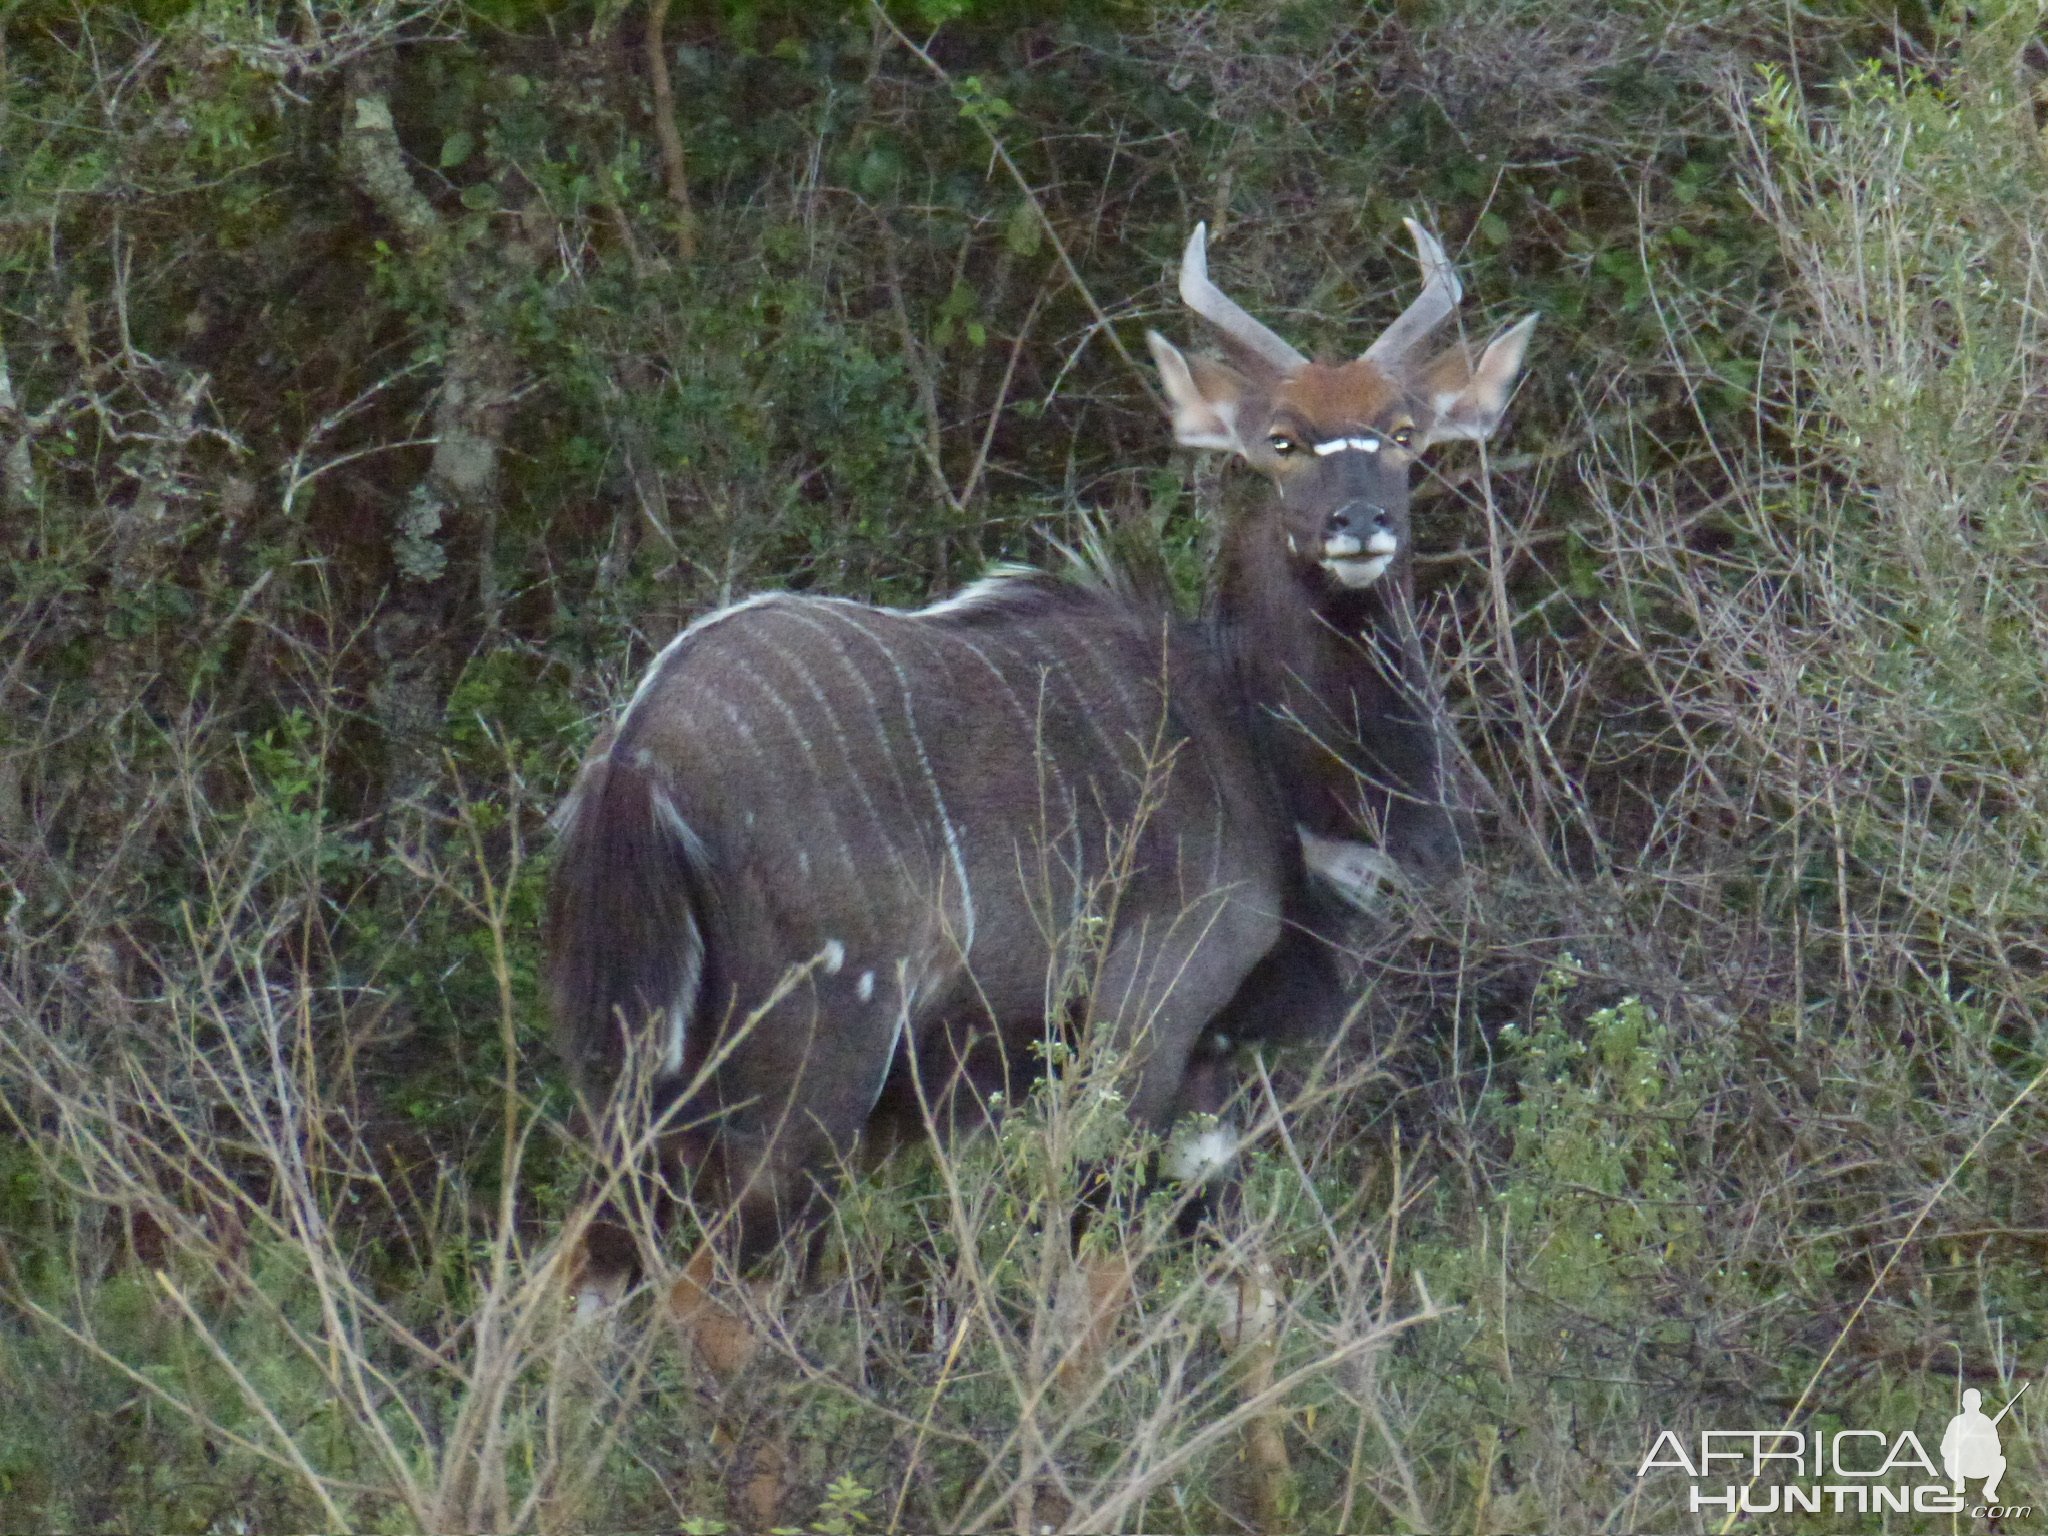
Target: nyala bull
<point>828,858</point>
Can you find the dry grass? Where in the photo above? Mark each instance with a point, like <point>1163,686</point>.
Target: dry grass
<point>359,1342</point>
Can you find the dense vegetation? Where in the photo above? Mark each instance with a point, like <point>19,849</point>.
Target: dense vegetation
<point>381,381</point>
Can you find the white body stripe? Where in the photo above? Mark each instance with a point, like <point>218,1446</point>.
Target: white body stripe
<point>1034,730</point>
<point>874,715</point>
<point>694,627</point>
<point>950,832</point>
<point>1056,660</point>
<point>845,750</point>
<point>820,780</point>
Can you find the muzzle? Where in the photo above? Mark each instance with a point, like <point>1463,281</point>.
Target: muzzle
<point>1359,543</point>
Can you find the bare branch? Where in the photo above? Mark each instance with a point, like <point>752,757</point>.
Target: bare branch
<point>673,169</point>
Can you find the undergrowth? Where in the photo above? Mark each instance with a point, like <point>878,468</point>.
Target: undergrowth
<point>335,519</point>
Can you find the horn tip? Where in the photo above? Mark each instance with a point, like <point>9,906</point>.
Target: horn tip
<point>1428,249</point>
<point>1194,268</point>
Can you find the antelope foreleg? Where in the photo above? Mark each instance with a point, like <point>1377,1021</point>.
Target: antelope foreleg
<point>1250,1332</point>
<point>1102,1286</point>
<point>727,1342</point>
<point>723,1338</point>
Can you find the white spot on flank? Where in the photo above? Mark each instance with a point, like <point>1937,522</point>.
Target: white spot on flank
<point>834,954</point>
<point>865,988</point>
<point>1196,1157</point>
<point>1347,444</point>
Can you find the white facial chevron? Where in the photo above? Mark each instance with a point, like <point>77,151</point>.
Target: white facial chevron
<point>1347,445</point>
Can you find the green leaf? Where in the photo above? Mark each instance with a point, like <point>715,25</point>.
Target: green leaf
<point>936,13</point>
<point>456,148</point>
<point>880,170</point>
<point>981,104</point>
<point>483,197</point>
<point>1022,232</point>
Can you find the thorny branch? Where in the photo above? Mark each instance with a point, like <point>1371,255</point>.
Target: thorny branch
<point>1037,205</point>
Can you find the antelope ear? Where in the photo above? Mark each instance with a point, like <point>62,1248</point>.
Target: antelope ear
<point>1204,396</point>
<point>1469,397</point>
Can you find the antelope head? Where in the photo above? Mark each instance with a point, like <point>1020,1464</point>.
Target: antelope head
<point>1336,439</point>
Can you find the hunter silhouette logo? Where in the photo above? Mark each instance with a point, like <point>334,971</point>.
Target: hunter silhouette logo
<point>1843,1471</point>
<point>1970,1448</point>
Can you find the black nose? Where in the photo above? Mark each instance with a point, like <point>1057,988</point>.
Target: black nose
<point>1359,519</point>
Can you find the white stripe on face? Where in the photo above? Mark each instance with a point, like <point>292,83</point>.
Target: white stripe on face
<point>1347,445</point>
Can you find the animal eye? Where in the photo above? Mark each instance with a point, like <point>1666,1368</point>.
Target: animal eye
<point>1404,437</point>
<point>1281,443</point>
